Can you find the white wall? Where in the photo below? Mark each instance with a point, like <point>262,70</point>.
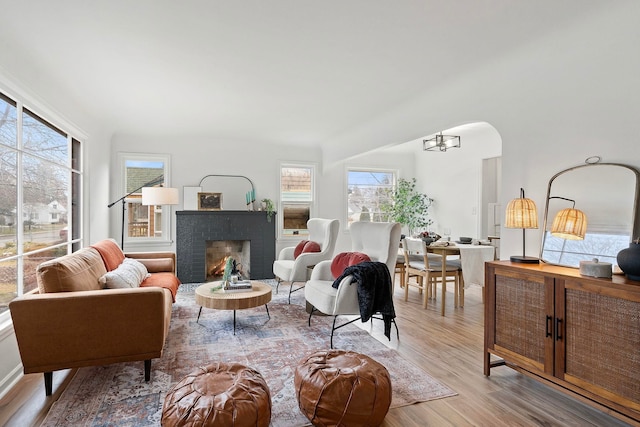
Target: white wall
<point>454,180</point>
<point>258,162</point>
<point>567,96</point>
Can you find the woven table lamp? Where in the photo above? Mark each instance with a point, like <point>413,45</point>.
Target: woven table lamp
<point>569,223</point>
<point>522,213</point>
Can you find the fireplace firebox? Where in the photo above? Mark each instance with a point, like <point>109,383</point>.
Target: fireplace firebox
<point>219,251</point>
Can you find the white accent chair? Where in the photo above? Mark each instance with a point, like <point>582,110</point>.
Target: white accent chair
<point>379,240</point>
<point>289,269</point>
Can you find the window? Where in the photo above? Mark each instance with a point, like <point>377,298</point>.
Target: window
<point>144,224</point>
<point>368,192</point>
<point>297,198</point>
<point>40,216</point>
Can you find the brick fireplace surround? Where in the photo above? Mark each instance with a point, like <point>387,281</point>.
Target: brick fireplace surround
<point>195,228</point>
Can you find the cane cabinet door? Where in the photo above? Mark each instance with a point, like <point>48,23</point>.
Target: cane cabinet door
<point>598,348</point>
<point>522,332</point>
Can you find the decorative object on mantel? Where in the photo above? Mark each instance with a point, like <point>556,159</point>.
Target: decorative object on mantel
<point>190,198</point>
<point>629,260</point>
<point>250,195</point>
<point>522,213</point>
<point>596,268</point>
<point>250,198</point>
<point>267,205</point>
<point>441,142</point>
<point>209,201</point>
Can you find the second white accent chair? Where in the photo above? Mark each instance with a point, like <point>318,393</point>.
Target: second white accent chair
<point>287,268</point>
<point>379,240</point>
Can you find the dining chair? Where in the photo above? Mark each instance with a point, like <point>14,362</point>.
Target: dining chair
<point>427,271</point>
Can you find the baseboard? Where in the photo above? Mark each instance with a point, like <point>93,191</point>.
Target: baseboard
<point>10,380</point>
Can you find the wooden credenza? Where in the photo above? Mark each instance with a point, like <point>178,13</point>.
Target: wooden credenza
<point>576,333</point>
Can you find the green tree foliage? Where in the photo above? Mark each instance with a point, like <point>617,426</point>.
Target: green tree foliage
<point>409,207</point>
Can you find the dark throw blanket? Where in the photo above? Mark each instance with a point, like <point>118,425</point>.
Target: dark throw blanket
<point>374,291</point>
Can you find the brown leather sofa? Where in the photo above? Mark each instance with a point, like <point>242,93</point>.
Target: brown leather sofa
<point>72,322</point>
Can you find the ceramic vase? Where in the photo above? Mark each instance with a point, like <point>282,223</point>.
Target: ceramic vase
<point>629,261</point>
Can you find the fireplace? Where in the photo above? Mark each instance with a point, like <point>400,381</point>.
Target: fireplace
<point>197,229</point>
<point>219,251</point>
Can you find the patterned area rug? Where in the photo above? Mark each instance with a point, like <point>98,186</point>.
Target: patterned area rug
<point>118,395</point>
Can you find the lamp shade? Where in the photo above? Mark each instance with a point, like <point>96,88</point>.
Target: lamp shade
<point>157,196</point>
<point>569,224</point>
<point>521,213</point>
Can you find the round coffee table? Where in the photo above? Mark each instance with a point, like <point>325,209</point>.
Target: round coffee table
<point>221,300</point>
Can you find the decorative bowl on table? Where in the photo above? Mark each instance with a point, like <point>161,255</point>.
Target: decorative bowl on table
<point>465,239</point>
<point>428,240</point>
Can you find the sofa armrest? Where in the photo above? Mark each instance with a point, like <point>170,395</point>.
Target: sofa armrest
<point>156,262</point>
<point>86,328</point>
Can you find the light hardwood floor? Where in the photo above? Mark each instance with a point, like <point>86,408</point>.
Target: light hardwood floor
<point>449,348</point>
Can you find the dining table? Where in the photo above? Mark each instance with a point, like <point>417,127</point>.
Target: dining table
<point>472,259</point>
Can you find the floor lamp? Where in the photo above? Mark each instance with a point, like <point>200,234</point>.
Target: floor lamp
<point>153,182</point>
<point>159,196</point>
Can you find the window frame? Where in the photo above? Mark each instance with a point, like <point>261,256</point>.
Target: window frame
<point>395,173</point>
<point>281,202</point>
<point>71,168</point>
<point>140,242</point>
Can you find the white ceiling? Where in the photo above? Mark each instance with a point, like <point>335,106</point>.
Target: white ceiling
<point>281,71</point>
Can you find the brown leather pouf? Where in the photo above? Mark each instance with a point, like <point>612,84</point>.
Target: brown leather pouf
<point>342,388</point>
<point>223,394</point>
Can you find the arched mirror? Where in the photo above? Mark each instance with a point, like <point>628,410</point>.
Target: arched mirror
<point>607,194</point>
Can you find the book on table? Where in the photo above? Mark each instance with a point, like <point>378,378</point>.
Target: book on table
<point>239,286</point>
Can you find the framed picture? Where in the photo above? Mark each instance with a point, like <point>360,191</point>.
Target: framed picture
<point>209,201</point>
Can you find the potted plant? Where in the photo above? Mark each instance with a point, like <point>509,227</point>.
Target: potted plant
<point>267,205</point>
<point>409,207</point>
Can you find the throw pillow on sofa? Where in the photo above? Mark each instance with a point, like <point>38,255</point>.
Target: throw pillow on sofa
<point>129,274</point>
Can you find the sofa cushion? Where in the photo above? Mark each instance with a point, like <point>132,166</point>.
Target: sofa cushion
<point>346,259</point>
<point>111,254</point>
<point>79,271</point>
<point>157,265</point>
<point>129,274</point>
<point>163,280</point>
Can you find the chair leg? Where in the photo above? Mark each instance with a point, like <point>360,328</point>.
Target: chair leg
<point>456,295</point>
<point>278,284</point>
<point>333,328</point>
<point>406,285</point>
<point>311,314</point>
<point>291,290</point>
<point>425,293</point>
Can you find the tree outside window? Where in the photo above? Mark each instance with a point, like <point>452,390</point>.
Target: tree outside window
<point>368,192</point>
